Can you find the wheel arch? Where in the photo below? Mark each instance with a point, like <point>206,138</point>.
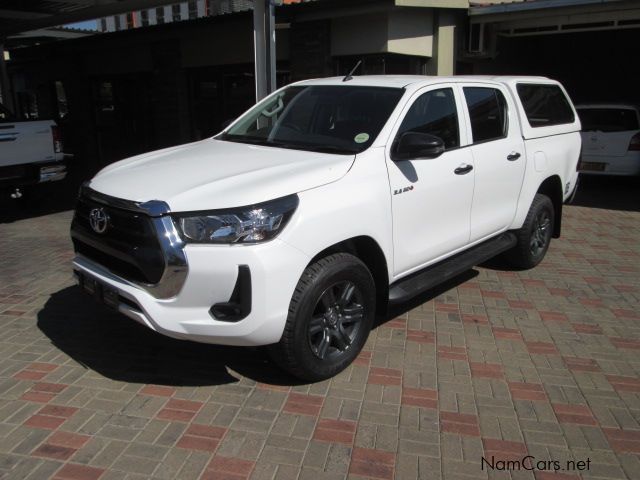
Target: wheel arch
<point>369,252</point>
<point>552,188</point>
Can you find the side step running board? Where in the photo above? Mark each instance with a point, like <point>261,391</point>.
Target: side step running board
<point>414,284</point>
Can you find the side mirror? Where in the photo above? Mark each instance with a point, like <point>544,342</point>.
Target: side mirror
<point>416,145</point>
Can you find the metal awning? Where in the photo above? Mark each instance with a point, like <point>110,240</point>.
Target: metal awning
<point>480,7</point>
<point>546,17</point>
<point>18,16</point>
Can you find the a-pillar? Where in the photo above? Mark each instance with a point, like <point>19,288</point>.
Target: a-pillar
<point>264,44</point>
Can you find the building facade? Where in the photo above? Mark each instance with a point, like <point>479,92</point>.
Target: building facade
<point>132,90</point>
<point>160,80</point>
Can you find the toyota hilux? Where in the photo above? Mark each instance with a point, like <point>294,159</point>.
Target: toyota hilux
<point>323,204</point>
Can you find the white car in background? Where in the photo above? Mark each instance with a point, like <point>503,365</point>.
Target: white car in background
<point>30,155</point>
<point>610,139</point>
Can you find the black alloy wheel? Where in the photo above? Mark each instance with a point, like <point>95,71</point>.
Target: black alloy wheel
<point>330,316</point>
<point>534,237</point>
<point>541,234</point>
<point>336,320</point>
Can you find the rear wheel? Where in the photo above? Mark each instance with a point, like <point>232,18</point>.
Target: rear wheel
<point>535,235</point>
<point>330,317</point>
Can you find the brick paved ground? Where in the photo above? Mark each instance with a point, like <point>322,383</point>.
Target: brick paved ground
<point>499,363</point>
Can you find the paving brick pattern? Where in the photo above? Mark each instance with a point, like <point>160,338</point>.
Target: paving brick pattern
<point>498,364</point>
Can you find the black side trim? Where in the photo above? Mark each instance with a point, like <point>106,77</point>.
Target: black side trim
<point>239,305</point>
<point>414,284</point>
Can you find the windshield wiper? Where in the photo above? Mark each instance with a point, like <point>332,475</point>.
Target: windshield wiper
<point>292,146</point>
<point>329,149</point>
<point>312,148</point>
<point>245,139</point>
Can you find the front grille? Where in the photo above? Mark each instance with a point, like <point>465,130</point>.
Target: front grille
<point>129,246</point>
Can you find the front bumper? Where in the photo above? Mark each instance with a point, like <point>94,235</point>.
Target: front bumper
<point>212,274</point>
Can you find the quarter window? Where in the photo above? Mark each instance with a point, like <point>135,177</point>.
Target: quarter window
<point>435,113</point>
<point>545,105</point>
<point>488,112</point>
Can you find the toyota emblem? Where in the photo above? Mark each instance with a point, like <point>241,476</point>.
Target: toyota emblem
<point>98,220</point>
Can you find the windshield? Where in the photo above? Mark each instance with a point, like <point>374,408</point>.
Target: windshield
<point>327,118</point>
<point>608,119</point>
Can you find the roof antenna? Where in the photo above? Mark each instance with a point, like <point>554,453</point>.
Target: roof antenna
<point>350,74</point>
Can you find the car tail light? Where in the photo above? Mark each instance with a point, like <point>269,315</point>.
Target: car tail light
<point>634,144</point>
<point>57,141</point>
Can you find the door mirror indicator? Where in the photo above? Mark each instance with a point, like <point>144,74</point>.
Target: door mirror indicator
<point>417,145</point>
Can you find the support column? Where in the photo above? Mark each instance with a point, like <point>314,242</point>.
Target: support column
<point>446,43</point>
<point>5,85</point>
<point>264,44</point>
<point>444,46</point>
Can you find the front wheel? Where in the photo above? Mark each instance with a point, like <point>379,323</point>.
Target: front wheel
<point>330,316</point>
<point>535,235</point>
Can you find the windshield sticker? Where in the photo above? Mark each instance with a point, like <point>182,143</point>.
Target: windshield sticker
<point>361,138</point>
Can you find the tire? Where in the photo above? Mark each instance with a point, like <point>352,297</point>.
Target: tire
<point>330,316</point>
<point>535,235</point>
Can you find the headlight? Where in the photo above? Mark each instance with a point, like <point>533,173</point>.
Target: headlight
<point>255,223</point>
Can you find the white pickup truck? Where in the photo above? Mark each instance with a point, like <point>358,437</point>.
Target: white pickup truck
<point>30,154</point>
<point>324,203</point>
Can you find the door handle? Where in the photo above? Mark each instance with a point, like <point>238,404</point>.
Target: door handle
<point>463,169</point>
<point>513,156</point>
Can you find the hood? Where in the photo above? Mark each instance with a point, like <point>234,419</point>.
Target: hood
<point>213,174</point>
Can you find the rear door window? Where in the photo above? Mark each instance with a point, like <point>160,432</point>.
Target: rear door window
<point>608,119</point>
<point>545,105</point>
<point>488,113</point>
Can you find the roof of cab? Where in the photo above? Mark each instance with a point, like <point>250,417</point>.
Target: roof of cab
<point>401,81</point>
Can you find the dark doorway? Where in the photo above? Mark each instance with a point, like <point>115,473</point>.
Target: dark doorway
<point>220,94</point>
<point>595,66</point>
<point>121,113</point>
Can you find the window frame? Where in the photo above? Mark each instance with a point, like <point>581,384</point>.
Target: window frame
<point>508,112</point>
